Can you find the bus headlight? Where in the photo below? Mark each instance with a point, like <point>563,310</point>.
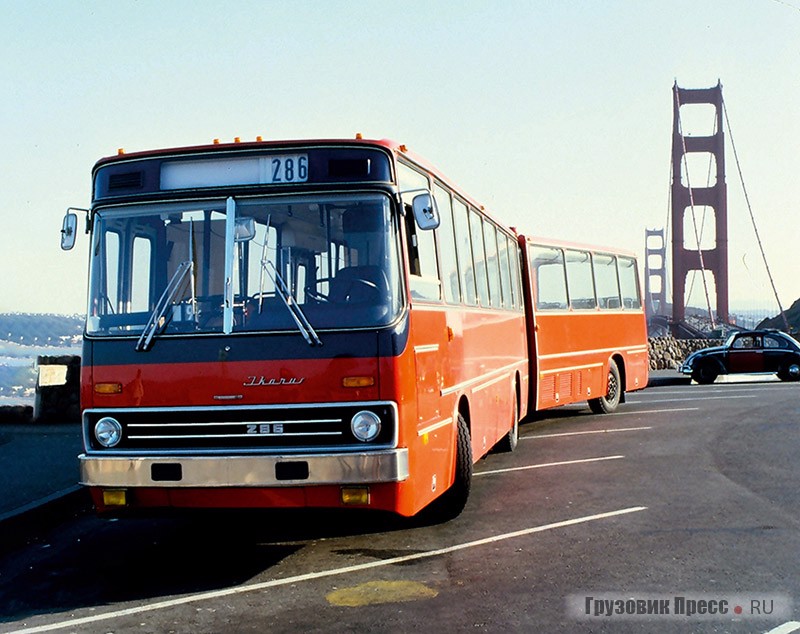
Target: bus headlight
<point>365,426</point>
<point>108,431</point>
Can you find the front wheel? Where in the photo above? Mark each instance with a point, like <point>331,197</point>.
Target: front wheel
<point>608,403</point>
<point>450,504</point>
<point>705,373</point>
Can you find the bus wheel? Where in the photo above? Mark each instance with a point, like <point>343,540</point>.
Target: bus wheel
<point>509,442</point>
<point>608,403</point>
<point>450,504</point>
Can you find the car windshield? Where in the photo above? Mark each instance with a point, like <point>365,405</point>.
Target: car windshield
<point>249,264</point>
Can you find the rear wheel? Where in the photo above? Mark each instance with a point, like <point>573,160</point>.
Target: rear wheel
<point>790,372</point>
<point>608,403</point>
<point>705,373</point>
<point>450,504</point>
<point>509,442</point>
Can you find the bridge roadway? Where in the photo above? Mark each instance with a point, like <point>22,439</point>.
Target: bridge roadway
<point>684,501</point>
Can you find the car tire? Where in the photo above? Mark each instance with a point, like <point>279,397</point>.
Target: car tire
<point>705,373</point>
<point>790,372</point>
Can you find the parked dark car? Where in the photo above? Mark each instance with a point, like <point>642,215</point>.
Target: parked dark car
<point>752,351</point>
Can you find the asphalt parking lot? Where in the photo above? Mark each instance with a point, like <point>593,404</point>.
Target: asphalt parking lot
<point>684,501</point>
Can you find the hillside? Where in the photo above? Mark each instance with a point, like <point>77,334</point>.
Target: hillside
<point>792,316</point>
<point>32,329</point>
<point>23,338</point>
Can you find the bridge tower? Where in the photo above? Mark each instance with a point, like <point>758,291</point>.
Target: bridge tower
<point>687,195</point>
<point>655,272</point>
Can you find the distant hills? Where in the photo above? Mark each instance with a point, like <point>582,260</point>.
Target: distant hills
<point>34,329</point>
<point>23,338</point>
<point>792,316</point>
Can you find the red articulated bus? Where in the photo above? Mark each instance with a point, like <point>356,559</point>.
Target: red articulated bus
<point>587,331</point>
<point>295,324</point>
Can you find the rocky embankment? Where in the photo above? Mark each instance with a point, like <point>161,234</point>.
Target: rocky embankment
<point>667,353</point>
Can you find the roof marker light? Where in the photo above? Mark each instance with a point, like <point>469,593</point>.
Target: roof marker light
<point>259,138</point>
<point>120,151</point>
<point>359,136</point>
<point>237,139</point>
<point>216,141</point>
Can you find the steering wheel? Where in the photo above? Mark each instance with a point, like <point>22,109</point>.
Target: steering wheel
<point>311,290</point>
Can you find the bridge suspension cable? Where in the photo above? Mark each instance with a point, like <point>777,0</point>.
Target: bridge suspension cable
<point>753,218</point>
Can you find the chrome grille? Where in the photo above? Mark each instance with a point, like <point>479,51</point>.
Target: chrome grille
<point>241,429</point>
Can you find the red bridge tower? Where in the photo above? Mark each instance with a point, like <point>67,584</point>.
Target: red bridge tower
<point>686,196</point>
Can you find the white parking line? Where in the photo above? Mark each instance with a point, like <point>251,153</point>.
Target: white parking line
<point>688,397</point>
<point>728,389</point>
<point>656,411</point>
<point>786,628</point>
<point>548,464</point>
<point>204,596</point>
<point>583,433</point>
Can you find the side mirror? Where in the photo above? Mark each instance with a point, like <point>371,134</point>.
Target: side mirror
<point>244,229</point>
<point>68,231</point>
<point>426,213</point>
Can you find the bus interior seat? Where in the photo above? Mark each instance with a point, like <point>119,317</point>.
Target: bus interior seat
<point>360,285</point>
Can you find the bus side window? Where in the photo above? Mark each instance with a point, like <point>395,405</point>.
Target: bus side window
<point>505,277</point>
<point>629,283</point>
<point>580,281</point>
<point>465,265</point>
<point>606,282</point>
<point>479,257</point>
<point>447,247</point>
<point>424,269</point>
<point>492,263</point>
<point>547,265</point>
<point>515,263</point>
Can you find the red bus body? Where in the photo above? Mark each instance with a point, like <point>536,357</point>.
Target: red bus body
<point>212,410</point>
<point>574,341</point>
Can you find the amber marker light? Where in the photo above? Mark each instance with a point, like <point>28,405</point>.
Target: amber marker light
<point>108,388</point>
<point>358,381</point>
<point>115,497</point>
<point>355,496</point>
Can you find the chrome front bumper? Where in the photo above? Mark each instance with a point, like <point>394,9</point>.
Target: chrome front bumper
<point>245,471</point>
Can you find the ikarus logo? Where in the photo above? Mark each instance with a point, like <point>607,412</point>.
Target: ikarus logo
<point>257,381</point>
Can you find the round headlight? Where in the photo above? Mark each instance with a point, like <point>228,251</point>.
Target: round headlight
<point>108,431</point>
<point>365,426</point>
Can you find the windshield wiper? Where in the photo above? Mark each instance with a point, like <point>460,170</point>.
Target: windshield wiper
<point>157,320</point>
<point>303,325</point>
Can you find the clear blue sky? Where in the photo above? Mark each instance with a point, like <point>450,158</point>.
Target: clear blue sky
<point>555,114</point>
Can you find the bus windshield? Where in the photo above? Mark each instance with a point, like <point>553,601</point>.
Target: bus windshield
<point>245,264</point>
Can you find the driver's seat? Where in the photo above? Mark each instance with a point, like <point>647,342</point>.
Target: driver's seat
<point>360,285</point>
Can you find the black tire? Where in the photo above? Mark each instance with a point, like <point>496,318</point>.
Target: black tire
<point>450,504</point>
<point>790,372</point>
<point>608,403</point>
<point>509,442</point>
<point>705,373</point>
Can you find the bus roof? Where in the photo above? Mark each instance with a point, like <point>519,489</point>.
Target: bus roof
<point>393,147</point>
<point>564,244</point>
